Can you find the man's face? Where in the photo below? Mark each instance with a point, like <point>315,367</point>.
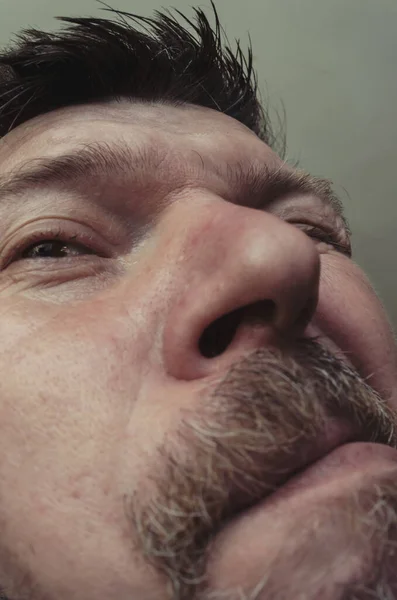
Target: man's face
<point>143,436</point>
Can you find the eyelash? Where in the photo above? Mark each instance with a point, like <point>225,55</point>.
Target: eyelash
<point>328,236</point>
<point>85,241</point>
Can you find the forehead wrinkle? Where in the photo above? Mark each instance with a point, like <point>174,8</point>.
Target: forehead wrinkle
<point>255,180</point>
<point>208,131</point>
<point>260,178</point>
<point>183,119</point>
<point>94,159</point>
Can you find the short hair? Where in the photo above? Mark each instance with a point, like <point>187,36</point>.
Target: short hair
<point>148,59</point>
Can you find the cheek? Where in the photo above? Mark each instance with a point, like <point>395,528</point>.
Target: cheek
<point>351,315</point>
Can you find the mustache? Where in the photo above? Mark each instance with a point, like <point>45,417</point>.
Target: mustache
<point>274,412</point>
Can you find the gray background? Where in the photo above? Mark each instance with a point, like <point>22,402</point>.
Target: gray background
<point>333,63</point>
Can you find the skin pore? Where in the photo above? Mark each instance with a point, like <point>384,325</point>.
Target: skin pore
<point>135,463</point>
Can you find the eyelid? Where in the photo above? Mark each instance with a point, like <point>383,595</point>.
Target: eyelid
<point>328,235</point>
<point>64,230</point>
<point>313,216</point>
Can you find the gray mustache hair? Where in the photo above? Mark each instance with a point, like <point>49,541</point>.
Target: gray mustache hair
<point>266,416</point>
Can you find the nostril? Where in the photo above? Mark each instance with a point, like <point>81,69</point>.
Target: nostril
<point>260,313</point>
<point>217,336</point>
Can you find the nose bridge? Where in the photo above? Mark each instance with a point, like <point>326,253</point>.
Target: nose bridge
<point>233,257</point>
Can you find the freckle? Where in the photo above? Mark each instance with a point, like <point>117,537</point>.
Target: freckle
<point>76,494</point>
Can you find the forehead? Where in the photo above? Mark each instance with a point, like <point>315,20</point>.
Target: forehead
<point>187,129</point>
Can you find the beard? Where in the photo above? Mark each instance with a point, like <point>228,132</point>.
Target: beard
<point>275,413</point>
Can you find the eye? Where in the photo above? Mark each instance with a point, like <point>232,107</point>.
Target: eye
<point>53,249</point>
<point>51,244</point>
<point>335,237</point>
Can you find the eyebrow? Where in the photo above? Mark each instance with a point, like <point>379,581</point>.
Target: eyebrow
<point>103,159</point>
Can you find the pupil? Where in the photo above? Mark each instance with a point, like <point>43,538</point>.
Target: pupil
<point>46,249</point>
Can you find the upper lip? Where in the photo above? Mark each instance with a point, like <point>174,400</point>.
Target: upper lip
<point>340,426</point>
<point>312,331</point>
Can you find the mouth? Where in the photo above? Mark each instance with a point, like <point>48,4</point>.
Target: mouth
<point>336,434</point>
<point>302,404</point>
<point>316,522</point>
<point>337,409</point>
<point>277,413</point>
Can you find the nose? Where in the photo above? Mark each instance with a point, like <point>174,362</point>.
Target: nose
<point>245,279</point>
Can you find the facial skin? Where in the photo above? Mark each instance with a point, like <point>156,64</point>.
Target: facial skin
<point>103,381</point>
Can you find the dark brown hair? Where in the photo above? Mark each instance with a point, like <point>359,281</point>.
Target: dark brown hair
<point>151,59</point>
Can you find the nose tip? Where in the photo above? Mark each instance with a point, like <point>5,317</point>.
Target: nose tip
<point>265,290</point>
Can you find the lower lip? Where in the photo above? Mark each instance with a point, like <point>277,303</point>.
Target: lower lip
<point>349,461</point>
<point>247,538</point>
